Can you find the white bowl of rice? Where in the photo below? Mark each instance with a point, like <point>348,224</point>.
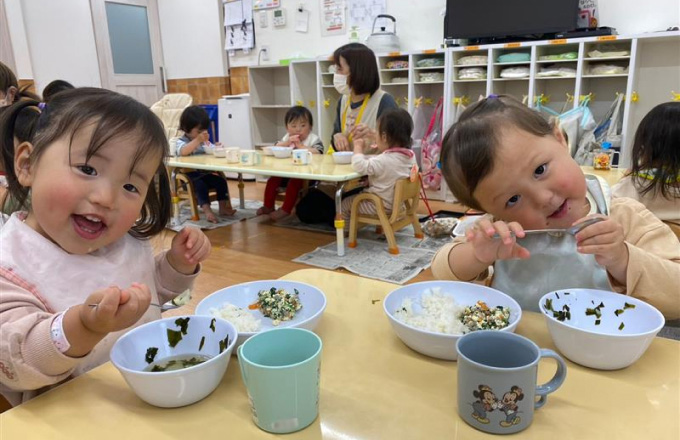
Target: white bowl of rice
<point>429,317</point>
<point>232,304</point>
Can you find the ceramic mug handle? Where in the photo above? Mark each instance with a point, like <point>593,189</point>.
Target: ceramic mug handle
<point>542,391</point>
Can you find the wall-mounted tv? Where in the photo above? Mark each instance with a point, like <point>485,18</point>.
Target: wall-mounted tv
<point>488,19</point>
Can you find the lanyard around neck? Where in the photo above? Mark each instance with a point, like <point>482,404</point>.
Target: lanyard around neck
<point>361,113</point>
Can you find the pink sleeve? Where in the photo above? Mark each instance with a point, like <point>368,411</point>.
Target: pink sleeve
<point>29,359</point>
<point>169,282</point>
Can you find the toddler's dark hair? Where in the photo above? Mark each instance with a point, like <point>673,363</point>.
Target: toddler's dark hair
<point>192,117</point>
<point>396,124</point>
<point>657,146</point>
<point>469,147</point>
<point>299,112</point>
<point>112,115</point>
<point>56,86</point>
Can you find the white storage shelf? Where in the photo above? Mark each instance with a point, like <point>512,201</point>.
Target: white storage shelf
<point>653,63</point>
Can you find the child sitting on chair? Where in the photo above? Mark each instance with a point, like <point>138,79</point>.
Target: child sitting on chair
<point>299,123</point>
<point>194,123</point>
<point>394,162</point>
<point>654,178</point>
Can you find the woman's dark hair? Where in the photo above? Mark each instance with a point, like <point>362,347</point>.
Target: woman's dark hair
<point>112,115</point>
<point>56,86</point>
<point>657,146</point>
<point>363,67</point>
<point>192,117</point>
<point>8,79</point>
<point>469,147</point>
<point>396,124</point>
<point>298,112</point>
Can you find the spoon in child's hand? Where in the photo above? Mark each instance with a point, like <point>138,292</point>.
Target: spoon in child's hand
<point>163,307</point>
<point>572,230</point>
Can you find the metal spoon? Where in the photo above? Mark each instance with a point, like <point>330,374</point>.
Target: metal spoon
<point>572,230</point>
<point>163,307</point>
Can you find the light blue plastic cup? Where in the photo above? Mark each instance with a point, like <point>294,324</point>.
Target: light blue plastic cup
<point>280,369</point>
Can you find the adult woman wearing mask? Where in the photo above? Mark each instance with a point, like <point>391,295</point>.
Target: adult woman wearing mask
<point>358,81</point>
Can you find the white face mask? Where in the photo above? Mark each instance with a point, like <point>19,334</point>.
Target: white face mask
<point>340,83</point>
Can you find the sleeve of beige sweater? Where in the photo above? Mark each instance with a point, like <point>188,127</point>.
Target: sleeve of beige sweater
<point>28,358</point>
<point>654,257</point>
<point>441,269</point>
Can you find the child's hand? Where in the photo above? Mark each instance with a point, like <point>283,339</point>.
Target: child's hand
<point>361,131</point>
<point>340,142</point>
<point>488,249</point>
<point>283,144</point>
<point>605,240</point>
<point>295,141</point>
<point>116,309</point>
<point>189,247</point>
<point>204,137</point>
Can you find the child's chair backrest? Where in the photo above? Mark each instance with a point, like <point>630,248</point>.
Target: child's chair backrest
<point>169,109</point>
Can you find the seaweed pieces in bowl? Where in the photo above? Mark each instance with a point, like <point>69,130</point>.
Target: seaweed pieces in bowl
<point>175,361</point>
<point>600,329</point>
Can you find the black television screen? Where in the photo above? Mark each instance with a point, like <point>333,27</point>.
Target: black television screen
<point>473,19</point>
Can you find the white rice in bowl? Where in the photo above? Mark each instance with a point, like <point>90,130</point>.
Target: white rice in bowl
<point>435,313</point>
<point>243,320</point>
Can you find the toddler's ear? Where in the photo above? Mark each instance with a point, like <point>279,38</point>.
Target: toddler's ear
<point>559,134</point>
<point>22,163</point>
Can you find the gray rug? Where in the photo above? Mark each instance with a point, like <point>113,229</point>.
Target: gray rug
<point>371,259</point>
<point>241,214</point>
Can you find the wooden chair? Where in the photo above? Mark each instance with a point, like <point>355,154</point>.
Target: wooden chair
<point>406,199</point>
<point>185,191</point>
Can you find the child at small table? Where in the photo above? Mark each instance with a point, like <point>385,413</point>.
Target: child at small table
<point>194,123</point>
<point>299,123</point>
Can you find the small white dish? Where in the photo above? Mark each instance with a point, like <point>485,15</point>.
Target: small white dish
<point>268,150</point>
<point>281,152</point>
<point>242,295</point>
<point>342,157</point>
<point>464,223</point>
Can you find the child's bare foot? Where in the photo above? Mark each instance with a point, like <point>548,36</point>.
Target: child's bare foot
<point>279,214</point>
<point>225,208</point>
<point>227,211</point>
<point>264,210</point>
<point>209,214</point>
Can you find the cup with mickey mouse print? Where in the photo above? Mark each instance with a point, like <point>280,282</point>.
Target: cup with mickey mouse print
<point>497,374</point>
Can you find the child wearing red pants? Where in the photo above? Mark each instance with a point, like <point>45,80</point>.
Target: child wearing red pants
<point>299,123</point>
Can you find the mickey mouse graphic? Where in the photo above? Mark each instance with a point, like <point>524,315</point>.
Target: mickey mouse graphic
<point>486,402</point>
<point>509,406</point>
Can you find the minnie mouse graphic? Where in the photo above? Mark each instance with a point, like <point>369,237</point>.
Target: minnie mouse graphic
<point>486,402</point>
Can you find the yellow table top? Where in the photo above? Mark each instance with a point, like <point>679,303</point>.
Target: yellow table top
<point>372,386</point>
<point>321,168</point>
<point>612,176</point>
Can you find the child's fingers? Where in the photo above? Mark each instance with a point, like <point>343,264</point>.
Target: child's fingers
<point>517,229</point>
<point>107,304</point>
<point>502,229</point>
<point>200,252</point>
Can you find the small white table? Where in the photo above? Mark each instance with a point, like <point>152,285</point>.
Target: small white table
<point>322,168</point>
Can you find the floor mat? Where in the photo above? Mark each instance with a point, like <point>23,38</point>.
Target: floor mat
<point>241,214</point>
<point>371,259</point>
